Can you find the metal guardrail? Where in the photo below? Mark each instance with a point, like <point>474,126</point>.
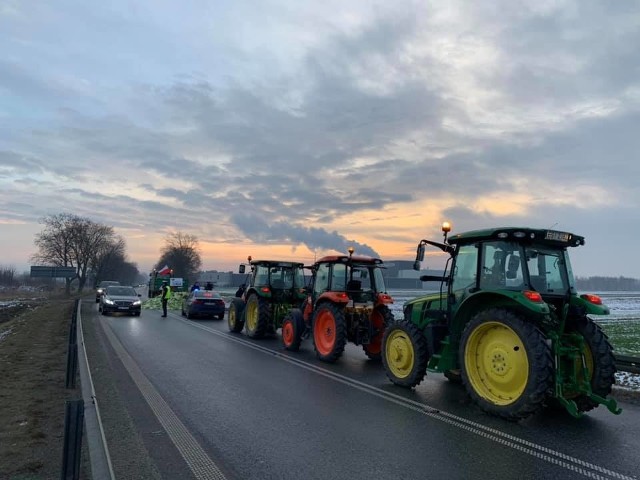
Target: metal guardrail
<point>625,363</point>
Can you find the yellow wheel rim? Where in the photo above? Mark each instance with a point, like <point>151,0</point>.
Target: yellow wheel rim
<point>399,354</point>
<point>231,318</point>
<point>496,363</point>
<point>252,314</point>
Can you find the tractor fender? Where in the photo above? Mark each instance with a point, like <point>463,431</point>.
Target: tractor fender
<point>501,299</point>
<point>334,297</point>
<point>589,307</point>
<point>264,292</point>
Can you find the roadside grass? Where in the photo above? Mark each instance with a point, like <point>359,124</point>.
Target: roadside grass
<point>624,336</point>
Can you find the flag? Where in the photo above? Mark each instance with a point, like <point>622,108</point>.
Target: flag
<point>165,271</point>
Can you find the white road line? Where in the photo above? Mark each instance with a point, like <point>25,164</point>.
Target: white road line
<point>202,467</point>
<point>547,454</point>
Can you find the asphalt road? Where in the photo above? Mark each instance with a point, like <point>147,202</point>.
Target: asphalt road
<point>188,399</point>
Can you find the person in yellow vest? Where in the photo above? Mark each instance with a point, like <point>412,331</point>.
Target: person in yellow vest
<point>165,296</point>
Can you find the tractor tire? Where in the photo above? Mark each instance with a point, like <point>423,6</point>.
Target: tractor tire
<point>599,359</point>
<point>257,316</point>
<point>454,376</point>
<point>292,329</point>
<point>381,319</point>
<point>404,353</point>
<point>506,364</point>
<point>329,332</point>
<point>235,318</point>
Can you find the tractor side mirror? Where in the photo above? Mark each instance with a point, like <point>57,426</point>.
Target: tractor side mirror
<point>241,269</point>
<point>416,265</point>
<point>420,253</point>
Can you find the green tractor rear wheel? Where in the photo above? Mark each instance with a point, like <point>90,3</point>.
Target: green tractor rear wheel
<point>257,316</point>
<point>235,318</point>
<point>404,354</point>
<point>329,332</point>
<point>599,360</point>
<point>381,318</point>
<point>506,364</point>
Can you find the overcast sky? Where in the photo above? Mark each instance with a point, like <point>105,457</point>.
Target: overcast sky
<point>292,129</point>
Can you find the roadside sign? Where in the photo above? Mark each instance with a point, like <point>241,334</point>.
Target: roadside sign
<point>53,272</point>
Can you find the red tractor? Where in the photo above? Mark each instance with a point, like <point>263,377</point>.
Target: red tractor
<point>347,301</point>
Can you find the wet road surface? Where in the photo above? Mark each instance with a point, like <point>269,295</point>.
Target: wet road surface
<point>207,403</point>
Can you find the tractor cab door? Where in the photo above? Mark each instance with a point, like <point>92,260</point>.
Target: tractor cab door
<point>464,274</point>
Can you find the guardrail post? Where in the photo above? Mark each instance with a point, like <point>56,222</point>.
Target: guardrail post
<point>71,453</point>
<point>72,350</point>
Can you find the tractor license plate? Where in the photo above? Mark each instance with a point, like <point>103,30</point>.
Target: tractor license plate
<point>557,236</point>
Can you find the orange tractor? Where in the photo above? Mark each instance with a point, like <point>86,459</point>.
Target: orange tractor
<point>346,301</point>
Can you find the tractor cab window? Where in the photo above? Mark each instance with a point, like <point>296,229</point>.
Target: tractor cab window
<point>261,276</point>
<point>501,266</point>
<point>546,268</point>
<point>298,277</point>
<point>321,283</point>
<point>281,277</point>
<point>338,277</point>
<point>378,279</point>
<point>359,279</point>
<point>466,267</point>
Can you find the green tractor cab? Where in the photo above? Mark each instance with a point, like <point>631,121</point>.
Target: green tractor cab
<point>508,324</point>
<point>347,302</point>
<point>273,288</point>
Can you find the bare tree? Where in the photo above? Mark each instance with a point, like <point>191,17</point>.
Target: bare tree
<point>181,253</point>
<point>7,275</point>
<point>71,241</point>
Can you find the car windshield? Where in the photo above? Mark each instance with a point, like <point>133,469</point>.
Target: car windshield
<point>108,283</point>
<point>121,291</point>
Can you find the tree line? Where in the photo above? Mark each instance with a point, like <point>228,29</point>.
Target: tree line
<point>92,248</point>
<point>97,253</point>
<point>599,283</point>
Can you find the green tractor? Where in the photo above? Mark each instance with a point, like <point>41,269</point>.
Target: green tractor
<point>347,301</point>
<point>274,288</point>
<point>507,323</point>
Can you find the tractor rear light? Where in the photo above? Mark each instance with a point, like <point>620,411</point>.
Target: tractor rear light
<point>265,290</point>
<point>532,296</point>
<point>589,297</point>
<point>342,295</point>
<point>384,298</point>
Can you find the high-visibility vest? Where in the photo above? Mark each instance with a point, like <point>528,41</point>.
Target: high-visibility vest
<point>167,293</point>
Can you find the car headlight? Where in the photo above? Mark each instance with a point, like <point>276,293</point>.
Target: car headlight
<point>108,301</point>
<point>99,291</point>
<point>136,303</point>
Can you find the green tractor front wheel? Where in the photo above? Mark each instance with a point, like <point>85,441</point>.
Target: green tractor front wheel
<point>235,319</point>
<point>404,354</point>
<point>506,364</point>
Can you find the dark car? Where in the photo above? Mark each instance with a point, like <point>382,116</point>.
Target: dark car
<point>116,298</point>
<point>101,286</point>
<point>203,303</point>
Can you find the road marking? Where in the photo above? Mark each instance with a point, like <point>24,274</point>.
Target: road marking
<point>202,467</point>
<point>547,454</point>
